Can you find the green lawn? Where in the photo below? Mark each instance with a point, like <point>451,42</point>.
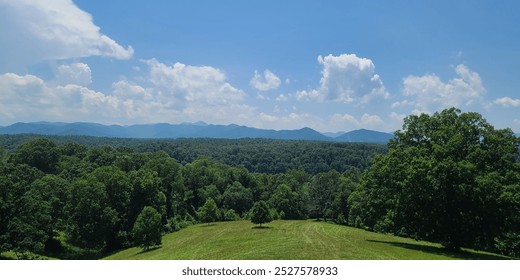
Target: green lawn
<point>289,240</point>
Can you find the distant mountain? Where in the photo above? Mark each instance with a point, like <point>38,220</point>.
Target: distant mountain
<point>333,134</point>
<point>188,130</point>
<point>364,135</point>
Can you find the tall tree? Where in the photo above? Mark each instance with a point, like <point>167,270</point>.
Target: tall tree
<point>237,197</point>
<point>323,189</point>
<point>147,228</point>
<point>15,182</point>
<point>40,153</point>
<point>92,221</point>
<point>208,212</point>
<point>260,213</point>
<point>284,199</point>
<point>441,181</point>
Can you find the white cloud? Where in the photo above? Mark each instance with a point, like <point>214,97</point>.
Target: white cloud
<point>305,95</point>
<point>402,104</point>
<point>430,93</point>
<point>507,102</point>
<point>397,117</point>
<point>346,78</point>
<point>76,73</point>
<point>181,84</point>
<point>127,90</point>
<point>282,98</point>
<point>266,82</point>
<point>260,96</point>
<point>173,94</point>
<point>368,120</point>
<point>348,122</point>
<point>291,121</point>
<point>51,29</point>
<point>346,118</point>
<point>29,98</point>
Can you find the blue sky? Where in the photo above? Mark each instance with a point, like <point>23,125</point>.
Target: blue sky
<point>329,65</point>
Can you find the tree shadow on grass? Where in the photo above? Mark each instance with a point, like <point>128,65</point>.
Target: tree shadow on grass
<point>149,250</point>
<point>208,225</point>
<point>262,227</point>
<point>463,254</point>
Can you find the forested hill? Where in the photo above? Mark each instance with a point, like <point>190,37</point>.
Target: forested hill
<point>189,130</point>
<point>257,155</point>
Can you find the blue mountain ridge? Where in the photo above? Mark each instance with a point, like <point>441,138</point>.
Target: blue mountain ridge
<point>189,130</point>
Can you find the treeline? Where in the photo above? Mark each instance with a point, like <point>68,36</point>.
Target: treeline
<point>256,155</point>
<point>449,178</point>
<point>71,201</point>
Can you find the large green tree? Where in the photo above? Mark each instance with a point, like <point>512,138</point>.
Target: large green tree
<point>237,197</point>
<point>288,201</point>
<point>208,212</point>
<point>119,190</point>
<point>92,221</point>
<point>16,206</point>
<point>40,153</point>
<point>324,187</point>
<point>260,213</point>
<point>147,228</point>
<point>442,181</point>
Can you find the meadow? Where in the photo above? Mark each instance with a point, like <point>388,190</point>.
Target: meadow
<point>290,240</point>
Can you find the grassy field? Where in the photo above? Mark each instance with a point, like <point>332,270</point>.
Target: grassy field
<point>289,240</point>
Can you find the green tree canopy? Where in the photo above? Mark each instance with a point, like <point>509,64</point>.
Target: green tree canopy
<point>323,189</point>
<point>40,153</point>
<point>260,213</point>
<point>288,201</point>
<point>208,212</point>
<point>237,197</point>
<point>441,181</point>
<point>147,228</point>
<point>92,221</point>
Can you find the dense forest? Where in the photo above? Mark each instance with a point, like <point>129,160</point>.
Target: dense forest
<point>256,155</point>
<point>449,177</point>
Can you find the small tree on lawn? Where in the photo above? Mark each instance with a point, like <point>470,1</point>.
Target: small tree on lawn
<point>147,228</point>
<point>260,213</point>
<point>208,212</point>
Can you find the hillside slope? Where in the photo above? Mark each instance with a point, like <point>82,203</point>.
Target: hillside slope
<point>307,240</point>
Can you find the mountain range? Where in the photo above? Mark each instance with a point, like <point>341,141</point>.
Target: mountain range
<point>191,130</point>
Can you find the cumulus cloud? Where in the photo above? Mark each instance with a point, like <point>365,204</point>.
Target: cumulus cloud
<point>428,92</point>
<point>365,121</point>
<point>346,78</point>
<point>507,102</point>
<point>174,94</point>
<point>397,117</point>
<point>29,98</point>
<point>282,98</point>
<point>182,93</point>
<point>181,85</point>
<point>267,81</point>
<point>291,121</point>
<point>75,73</point>
<point>32,31</point>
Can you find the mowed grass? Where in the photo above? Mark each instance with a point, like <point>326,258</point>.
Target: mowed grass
<point>290,240</point>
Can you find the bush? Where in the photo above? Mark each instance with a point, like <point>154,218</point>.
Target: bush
<point>178,222</point>
<point>230,215</point>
